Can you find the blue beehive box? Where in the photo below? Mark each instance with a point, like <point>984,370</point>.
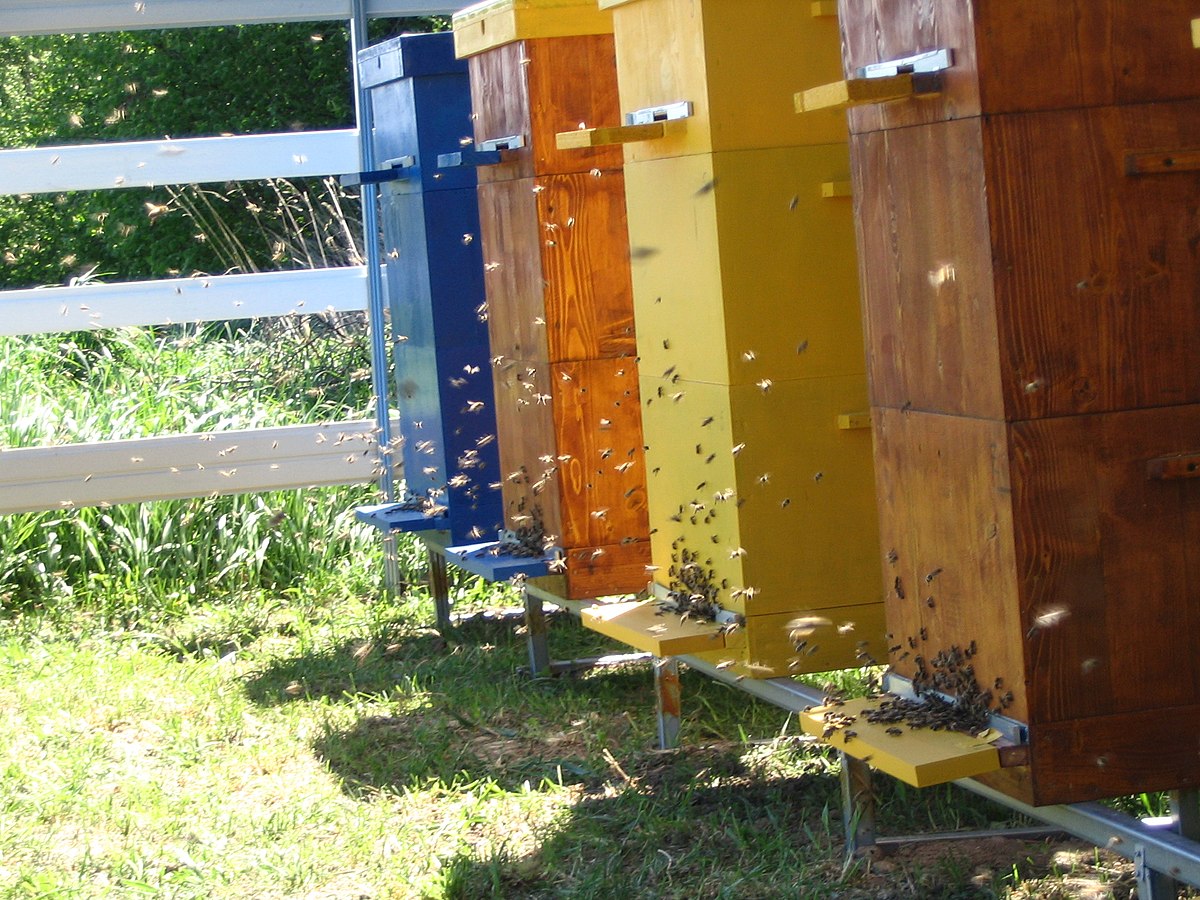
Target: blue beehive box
<point>420,96</point>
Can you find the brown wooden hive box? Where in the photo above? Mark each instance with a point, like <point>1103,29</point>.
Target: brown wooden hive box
<point>560,309</point>
<point>1027,242</point>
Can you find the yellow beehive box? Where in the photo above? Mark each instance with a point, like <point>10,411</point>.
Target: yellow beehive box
<point>735,63</point>
<point>769,492</point>
<point>495,23</point>
<point>743,268</point>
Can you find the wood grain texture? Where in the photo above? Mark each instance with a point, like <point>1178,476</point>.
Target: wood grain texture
<point>739,79</point>
<point>946,529</point>
<point>537,88</point>
<point>1107,756</point>
<point>1108,562</point>
<point>924,262</point>
<point>1096,270</point>
<point>556,260</point>
<point>525,432</point>
<point>598,428</point>
<point>585,266</point>
<point>1025,55</point>
<point>605,571</point>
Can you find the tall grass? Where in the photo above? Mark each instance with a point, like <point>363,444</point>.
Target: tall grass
<point>138,560</point>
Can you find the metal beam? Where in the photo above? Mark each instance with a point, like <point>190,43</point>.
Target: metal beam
<point>23,17</point>
<point>173,301</point>
<point>100,166</point>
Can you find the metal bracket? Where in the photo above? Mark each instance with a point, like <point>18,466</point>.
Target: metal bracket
<point>918,64</point>
<point>510,142</point>
<point>668,113</point>
<point>393,170</point>
<point>1010,729</point>
<point>485,153</point>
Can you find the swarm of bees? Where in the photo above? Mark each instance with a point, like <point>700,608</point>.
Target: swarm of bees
<point>948,672</point>
<point>693,591</point>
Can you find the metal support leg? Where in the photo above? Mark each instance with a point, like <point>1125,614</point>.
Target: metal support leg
<point>858,806</point>
<point>439,587</point>
<point>1152,885</point>
<point>535,629</point>
<point>668,692</point>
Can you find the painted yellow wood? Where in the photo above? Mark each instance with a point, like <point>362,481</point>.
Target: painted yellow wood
<point>742,271</point>
<point>616,134</point>
<point>854,92</point>
<point>765,647</point>
<point>772,497</point>
<point>919,757</point>
<point>1196,32</point>
<point>494,23</point>
<point>643,626</point>
<point>854,420</point>
<point>831,189</point>
<point>739,79</point>
<point>823,8</point>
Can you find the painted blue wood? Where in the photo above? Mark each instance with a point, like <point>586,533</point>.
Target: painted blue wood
<point>398,517</point>
<point>485,560</point>
<point>440,352</point>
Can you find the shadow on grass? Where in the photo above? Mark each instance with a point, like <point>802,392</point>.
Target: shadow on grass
<point>456,711</point>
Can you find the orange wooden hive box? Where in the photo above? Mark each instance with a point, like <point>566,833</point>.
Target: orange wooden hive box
<point>560,308</point>
<point>1028,241</point>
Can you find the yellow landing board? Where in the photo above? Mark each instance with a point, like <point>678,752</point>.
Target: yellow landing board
<point>641,625</point>
<point>917,756</point>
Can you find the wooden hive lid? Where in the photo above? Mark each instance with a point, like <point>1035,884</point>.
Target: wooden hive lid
<point>494,23</point>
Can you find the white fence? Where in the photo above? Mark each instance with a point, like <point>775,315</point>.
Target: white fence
<point>190,465</point>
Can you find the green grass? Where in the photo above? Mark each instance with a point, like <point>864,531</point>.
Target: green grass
<point>211,698</point>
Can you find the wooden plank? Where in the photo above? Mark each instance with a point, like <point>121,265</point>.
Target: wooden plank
<point>100,166</point>
<point>19,17</point>
<point>739,80</point>
<point>191,465</point>
<point>947,548</point>
<point>175,300</point>
<point>1107,756</point>
<point>538,88</point>
<point>855,92</point>
<point>923,235</point>
<point>582,138</point>
<point>643,626</point>
<point>1028,54</point>
<point>1108,563</point>
<point>917,756</point>
<point>487,561</point>
<point>1095,298</point>
<point>722,243</point>
<point>494,23</point>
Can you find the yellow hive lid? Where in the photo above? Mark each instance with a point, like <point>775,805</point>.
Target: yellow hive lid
<point>495,23</point>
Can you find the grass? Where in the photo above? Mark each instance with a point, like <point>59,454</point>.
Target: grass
<point>322,745</point>
<point>209,698</point>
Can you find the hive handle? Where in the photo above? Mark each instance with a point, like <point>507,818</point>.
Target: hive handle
<point>605,136</point>
<point>1169,468</point>
<point>859,91</point>
<point>1162,161</point>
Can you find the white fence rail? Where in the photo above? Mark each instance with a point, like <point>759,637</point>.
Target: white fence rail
<point>127,164</point>
<point>193,465</point>
<point>174,301</point>
<point>190,465</point>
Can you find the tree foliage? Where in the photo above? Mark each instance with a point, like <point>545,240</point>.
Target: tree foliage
<point>65,89</point>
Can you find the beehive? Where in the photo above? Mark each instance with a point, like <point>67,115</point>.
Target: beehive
<point>421,103</point>
<point>1027,233</point>
<point>560,310</point>
<point>746,301</point>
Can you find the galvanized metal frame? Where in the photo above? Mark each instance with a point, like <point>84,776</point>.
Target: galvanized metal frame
<point>1162,855</point>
